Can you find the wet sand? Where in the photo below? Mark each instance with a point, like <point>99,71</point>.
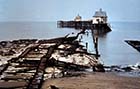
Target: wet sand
<point>94,81</point>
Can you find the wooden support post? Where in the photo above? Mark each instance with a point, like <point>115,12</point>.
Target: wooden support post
<point>86,45</point>
<point>96,47</point>
<point>95,41</point>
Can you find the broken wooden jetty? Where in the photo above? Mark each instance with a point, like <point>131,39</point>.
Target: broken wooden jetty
<point>134,43</point>
<point>26,63</point>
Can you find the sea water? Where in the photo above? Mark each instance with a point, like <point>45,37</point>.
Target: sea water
<point>112,48</point>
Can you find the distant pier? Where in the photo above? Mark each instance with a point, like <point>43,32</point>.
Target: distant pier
<point>98,23</point>
<point>88,25</point>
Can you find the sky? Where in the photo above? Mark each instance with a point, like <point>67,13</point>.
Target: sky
<point>53,10</point>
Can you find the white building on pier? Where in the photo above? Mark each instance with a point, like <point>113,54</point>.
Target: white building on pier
<point>78,18</point>
<point>99,17</point>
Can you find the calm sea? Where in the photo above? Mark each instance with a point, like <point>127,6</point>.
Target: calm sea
<point>113,49</point>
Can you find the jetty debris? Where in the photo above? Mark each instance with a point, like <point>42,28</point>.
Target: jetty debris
<point>134,43</point>
<point>26,63</point>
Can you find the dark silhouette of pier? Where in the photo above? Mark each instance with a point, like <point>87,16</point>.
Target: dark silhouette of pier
<point>99,27</point>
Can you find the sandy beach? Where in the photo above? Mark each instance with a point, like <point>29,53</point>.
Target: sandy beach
<point>94,81</point>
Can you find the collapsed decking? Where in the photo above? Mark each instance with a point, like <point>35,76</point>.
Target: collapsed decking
<point>30,62</point>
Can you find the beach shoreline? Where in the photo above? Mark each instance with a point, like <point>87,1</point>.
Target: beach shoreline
<point>94,80</point>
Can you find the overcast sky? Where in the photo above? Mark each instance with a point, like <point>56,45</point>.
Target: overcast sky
<point>53,10</point>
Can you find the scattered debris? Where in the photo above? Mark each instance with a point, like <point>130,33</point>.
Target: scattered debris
<point>28,62</point>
